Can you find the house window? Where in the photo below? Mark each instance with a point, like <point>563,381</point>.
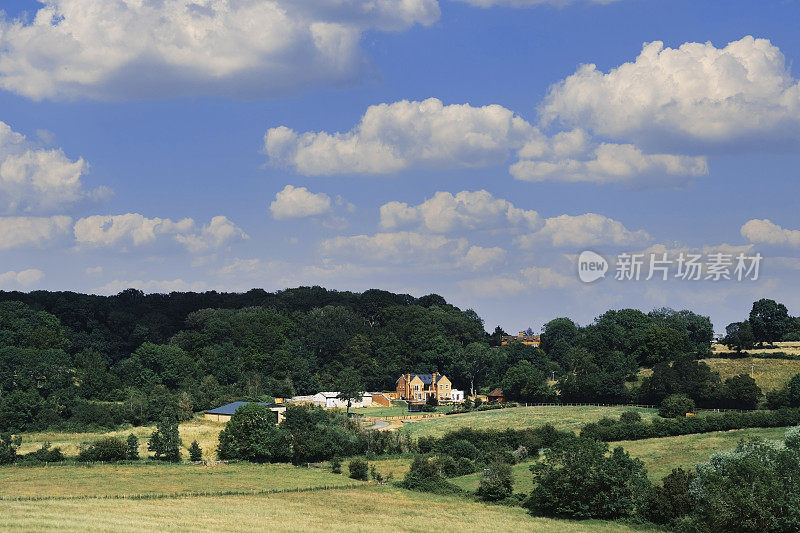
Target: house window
<point>416,387</point>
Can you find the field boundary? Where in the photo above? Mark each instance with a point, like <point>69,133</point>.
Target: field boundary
<point>187,494</point>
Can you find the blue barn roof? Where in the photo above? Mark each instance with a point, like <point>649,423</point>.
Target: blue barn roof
<point>231,408</point>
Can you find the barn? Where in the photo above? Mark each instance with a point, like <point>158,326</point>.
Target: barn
<point>225,412</point>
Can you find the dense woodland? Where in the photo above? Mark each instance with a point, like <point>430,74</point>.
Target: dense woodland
<point>73,361</point>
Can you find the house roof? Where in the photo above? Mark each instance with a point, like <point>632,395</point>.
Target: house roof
<point>496,392</point>
<point>427,379</point>
<point>231,408</point>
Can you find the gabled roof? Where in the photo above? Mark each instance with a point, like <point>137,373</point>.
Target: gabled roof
<point>231,408</point>
<point>427,379</point>
<point>496,392</point>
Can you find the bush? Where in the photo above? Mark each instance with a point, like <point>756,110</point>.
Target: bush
<point>464,448</point>
<point>133,448</point>
<point>8,448</point>
<point>577,479</point>
<point>336,465</point>
<point>424,476</point>
<point>497,483</point>
<point>105,450</point>
<point>630,417</point>
<point>45,454</point>
<point>251,435</point>
<point>195,452</point>
<point>358,469</point>
<point>671,500</point>
<point>676,405</point>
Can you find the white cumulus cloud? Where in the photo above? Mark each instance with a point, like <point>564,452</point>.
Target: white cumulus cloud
<point>397,247</point>
<point>583,230</point>
<point>467,210</point>
<point>34,179</point>
<point>299,202</point>
<point>767,232</point>
<point>696,92</point>
<point>22,278</point>
<point>393,137</point>
<point>138,230</point>
<point>32,231</point>
<point>134,48</point>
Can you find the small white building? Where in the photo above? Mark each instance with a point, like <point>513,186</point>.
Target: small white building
<point>457,395</point>
<point>331,399</point>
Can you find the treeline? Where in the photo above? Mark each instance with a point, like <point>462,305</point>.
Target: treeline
<point>768,322</point>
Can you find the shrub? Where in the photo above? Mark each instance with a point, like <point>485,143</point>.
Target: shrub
<point>8,448</point>
<point>497,483</point>
<point>165,442</point>
<point>676,405</point>
<point>448,466</point>
<point>464,448</point>
<point>424,476</point>
<point>336,465</point>
<point>133,448</point>
<point>105,450</point>
<point>195,452</point>
<point>46,454</point>
<point>577,479</point>
<point>358,469</point>
<point>251,435</point>
<point>630,417</point>
<point>671,500</point>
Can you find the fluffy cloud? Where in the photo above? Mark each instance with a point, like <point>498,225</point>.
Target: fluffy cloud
<point>299,202</point>
<point>523,282</point>
<point>31,231</point>
<point>397,136</point>
<point>130,48</point>
<point>612,163</point>
<point>21,278</point>
<point>583,230</point>
<point>36,179</point>
<point>480,258</point>
<point>137,230</point>
<point>696,92</point>
<point>465,210</point>
<point>767,232</point>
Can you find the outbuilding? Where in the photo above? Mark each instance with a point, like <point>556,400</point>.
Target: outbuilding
<point>225,412</point>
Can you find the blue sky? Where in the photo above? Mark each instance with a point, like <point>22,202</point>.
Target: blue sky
<point>484,195</point>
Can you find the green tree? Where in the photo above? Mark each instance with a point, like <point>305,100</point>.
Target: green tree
<point>676,405</point>
<point>579,479</point>
<point>740,392</point>
<point>739,336</point>
<point>671,500</point>
<point>252,435</point>
<point>769,320</point>
<point>358,469</point>
<point>133,448</point>
<point>165,442</point>
<point>525,383</point>
<point>8,447</point>
<point>497,483</point>
<point>351,387</point>
<point>195,452</point>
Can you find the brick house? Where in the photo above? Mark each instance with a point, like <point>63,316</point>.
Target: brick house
<point>417,388</point>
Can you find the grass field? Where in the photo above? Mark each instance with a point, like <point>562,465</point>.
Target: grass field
<point>70,480</point>
<point>397,409</point>
<point>566,418</point>
<point>770,374</point>
<point>206,432</point>
<point>791,348</point>
<point>660,456</point>
<point>370,508</point>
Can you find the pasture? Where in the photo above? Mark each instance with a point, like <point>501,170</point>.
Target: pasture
<point>561,417</point>
<point>365,509</point>
<point>770,374</point>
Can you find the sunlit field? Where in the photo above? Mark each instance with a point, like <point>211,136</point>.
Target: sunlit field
<point>366,509</point>
<point>770,374</point>
<point>565,418</point>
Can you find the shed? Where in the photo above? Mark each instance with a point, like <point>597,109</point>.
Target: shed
<point>225,412</point>
<point>496,396</point>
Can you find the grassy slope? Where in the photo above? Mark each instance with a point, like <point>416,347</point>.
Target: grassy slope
<point>566,418</point>
<point>367,509</point>
<point>770,374</point>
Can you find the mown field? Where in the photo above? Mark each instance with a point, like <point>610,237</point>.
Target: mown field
<point>770,374</point>
<point>791,348</point>
<point>566,418</point>
<point>369,508</point>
